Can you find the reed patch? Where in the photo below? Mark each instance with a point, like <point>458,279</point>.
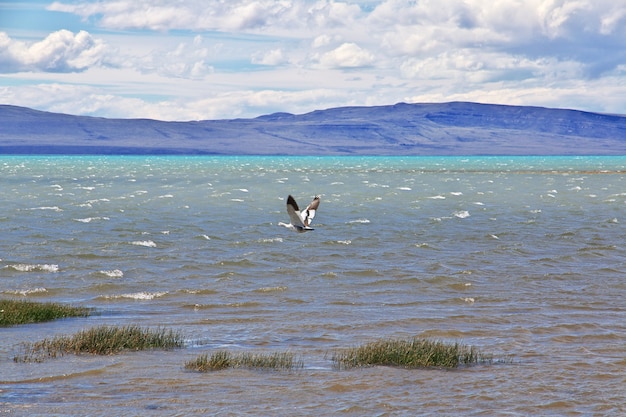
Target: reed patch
<point>223,360</point>
<point>102,340</point>
<point>408,353</point>
<point>15,312</point>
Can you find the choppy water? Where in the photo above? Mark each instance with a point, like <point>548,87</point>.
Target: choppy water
<point>522,258</point>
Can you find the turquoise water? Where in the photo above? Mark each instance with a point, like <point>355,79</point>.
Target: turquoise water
<point>521,257</point>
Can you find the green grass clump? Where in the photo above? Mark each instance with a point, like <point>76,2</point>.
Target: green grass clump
<point>14,312</point>
<point>223,359</point>
<point>102,340</point>
<point>409,353</point>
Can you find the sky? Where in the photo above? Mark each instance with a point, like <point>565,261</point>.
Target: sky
<point>224,59</point>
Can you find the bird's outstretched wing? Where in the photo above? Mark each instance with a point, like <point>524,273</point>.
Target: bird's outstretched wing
<point>294,213</point>
<point>308,213</point>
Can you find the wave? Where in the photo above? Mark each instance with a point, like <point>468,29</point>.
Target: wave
<point>34,267</point>
<point>146,243</point>
<point>90,219</point>
<point>271,240</point>
<point>363,221</point>
<point>142,295</point>
<point>28,291</point>
<point>272,289</point>
<point>114,273</point>
<point>51,208</point>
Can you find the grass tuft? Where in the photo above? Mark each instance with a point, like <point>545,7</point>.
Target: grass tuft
<point>102,340</point>
<point>408,353</point>
<point>223,359</point>
<point>14,312</point>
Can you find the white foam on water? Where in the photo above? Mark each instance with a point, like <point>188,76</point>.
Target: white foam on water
<point>272,289</point>
<point>28,291</point>
<point>146,243</point>
<point>114,273</point>
<point>437,197</point>
<point>462,214</point>
<point>363,221</point>
<point>90,219</point>
<point>34,267</point>
<point>51,208</point>
<point>404,188</point>
<point>142,295</point>
<point>271,240</point>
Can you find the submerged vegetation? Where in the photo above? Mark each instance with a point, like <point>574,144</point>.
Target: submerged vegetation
<point>107,340</point>
<point>102,340</point>
<point>408,353</point>
<point>223,359</point>
<point>14,312</point>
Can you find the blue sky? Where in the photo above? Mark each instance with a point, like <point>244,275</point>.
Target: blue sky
<point>212,59</point>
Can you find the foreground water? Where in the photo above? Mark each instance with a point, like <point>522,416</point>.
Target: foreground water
<point>522,258</point>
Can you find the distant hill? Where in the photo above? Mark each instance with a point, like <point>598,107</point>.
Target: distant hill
<point>456,128</point>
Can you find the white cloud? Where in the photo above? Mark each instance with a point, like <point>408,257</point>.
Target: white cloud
<point>347,55</point>
<point>60,51</point>
<point>180,58</point>
<point>272,57</point>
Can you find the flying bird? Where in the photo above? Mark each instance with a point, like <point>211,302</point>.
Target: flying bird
<point>300,220</point>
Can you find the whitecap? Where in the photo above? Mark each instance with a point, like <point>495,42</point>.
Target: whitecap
<point>243,190</point>
<point>26,292</point>
<point>469,300</point>
<point>456,193</point>
<point>437,197</point>
<point>166,196</point>
<point>51,208</point>
<point>462,214</point>
<point>90,219</point>
<point>237,200</point>
<point>404,188</point>
<point>114,273</point>
<point>363,221</point>
<point>271,240</point>
<point>344,242</point>
<point>143,295</point>
<point>146,243</point>
<point>34,267</point>
<point>272,289</point>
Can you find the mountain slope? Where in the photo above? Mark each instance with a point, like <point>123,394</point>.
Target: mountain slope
<point>403,129</point>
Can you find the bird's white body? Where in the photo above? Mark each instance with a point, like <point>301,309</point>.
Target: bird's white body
<point>300,220</point>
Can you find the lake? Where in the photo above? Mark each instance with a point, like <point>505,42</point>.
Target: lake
<point>522,258</point>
